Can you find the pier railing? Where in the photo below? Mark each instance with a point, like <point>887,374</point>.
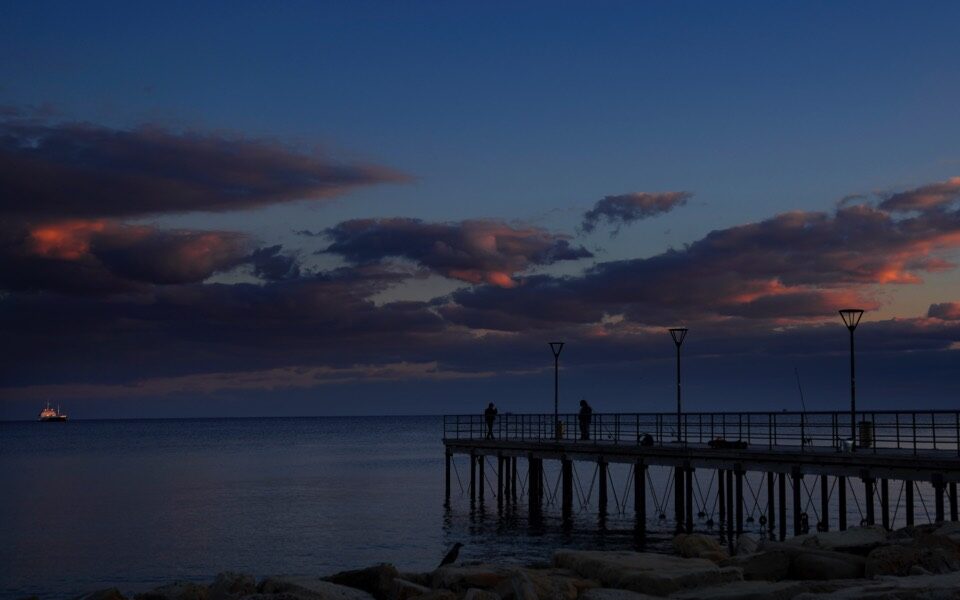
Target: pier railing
<point>877,431</point>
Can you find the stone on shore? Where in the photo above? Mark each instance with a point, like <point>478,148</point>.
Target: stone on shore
<point>478,594</point>
<point>404,590</point>
<point>820,567</point>
<point>376,580</point>
<point>645,572</point>
<point>745,590</point>
<point>894,559</point>
<point>614,594</point>
<point>229,586</point>
<point>772,565</point>
<point>856,540</point>
<point>460,578</point>
<point>748,543</point>
<point>923,587</point>
<point>696,545</point>
<point>180,590</point>
<point>311,588</point>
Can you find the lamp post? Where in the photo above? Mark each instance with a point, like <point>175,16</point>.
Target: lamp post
<point>556,348</point>
<point>851,318</point>
<point>678,333</point>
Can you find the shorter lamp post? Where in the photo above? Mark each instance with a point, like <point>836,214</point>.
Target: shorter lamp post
<point>678,334</point>
<point>556,348</point>
<point>851,318</point>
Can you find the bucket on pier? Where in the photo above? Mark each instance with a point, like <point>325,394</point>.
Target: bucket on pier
<point>866,433</point>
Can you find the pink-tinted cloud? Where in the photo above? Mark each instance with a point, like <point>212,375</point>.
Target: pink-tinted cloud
<point>924,198</point>
<point>490,252</point>
<point>628,208</point>
<point>946,311</point>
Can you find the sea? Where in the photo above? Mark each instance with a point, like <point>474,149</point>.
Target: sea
<point>135,504</point>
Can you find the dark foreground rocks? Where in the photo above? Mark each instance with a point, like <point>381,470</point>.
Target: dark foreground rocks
<point>867,562</point>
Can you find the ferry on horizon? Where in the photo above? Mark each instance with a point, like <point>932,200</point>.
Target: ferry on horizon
<point>49,414</point>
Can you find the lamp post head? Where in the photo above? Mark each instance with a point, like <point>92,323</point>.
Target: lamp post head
<point>851,317</point>
<point>556,348</point>
<point>678,333</point>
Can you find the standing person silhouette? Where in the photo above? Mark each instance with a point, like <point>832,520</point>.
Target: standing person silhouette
<point>490,415</point>
<point>586,414</point>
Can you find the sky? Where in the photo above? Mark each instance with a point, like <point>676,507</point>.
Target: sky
<point>286,208</point>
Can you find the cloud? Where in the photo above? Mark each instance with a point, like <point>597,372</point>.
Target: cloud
<point>925,198</point>
<point>946,311</point>
<point>268,263</point>
<point>490,252</point>
<point>59,171</point>
<point>628,208</point>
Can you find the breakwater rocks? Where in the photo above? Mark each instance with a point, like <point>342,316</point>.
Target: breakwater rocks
<point>857,564</point>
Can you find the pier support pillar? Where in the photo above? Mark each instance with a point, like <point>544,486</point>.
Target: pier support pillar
<point>567,500</point>
<point>499,482</point>
<point>513,477</point>
<point>771,510</point>
<point>824,503</point>
<point>797,505</point>
<point>868,498</point>
<point>885,504</point>
<point>506,477</point>
<point>473,477</point>
<point>688,512</point>
<point>640,497</point>
<point>782,492</point>
<point>953,500</point>
<point>602,483</point>
<point>722,501</point>
<point>738,472</point>
<point>678,497</point>
<point>481,479</point>
<point>730,510</point>
<point>908,501</point>
<point>842,503</point>
<point>938,496</point>
<point>446,479</point>
<point>533,484</point>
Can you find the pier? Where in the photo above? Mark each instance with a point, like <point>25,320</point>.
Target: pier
<point>800,470</point>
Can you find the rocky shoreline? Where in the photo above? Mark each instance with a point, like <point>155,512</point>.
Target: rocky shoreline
<point>860,563</point>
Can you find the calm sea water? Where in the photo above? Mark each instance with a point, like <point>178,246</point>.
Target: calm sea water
<point>91,504</point>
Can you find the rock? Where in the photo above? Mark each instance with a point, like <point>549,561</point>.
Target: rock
<point>311,588</point>
<point>614,594</point>
<point>229,585</point>
<point>924,587</point>
<point>748,543</point>
<point>820,566</point>
<point>894,559</point>
<point>518,586</point>
<point>645,572</point>
<point>745,590</point>
<point>403,590</point>
<point>772,565</point>
<point>377,580</point>
<point>856,540</point>
<point>460,578</point>
<point>478,594</point>
<point>918,570</point>
<point>938,554</point>
<point>107,594</point>
<point>557,584</point>
<point>180,590</point>
<point>948,528</point>
<point>695,545</point>
<point>420,578</point>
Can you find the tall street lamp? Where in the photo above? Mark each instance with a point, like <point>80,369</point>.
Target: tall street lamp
<point>851,318</point>
<point>556,348</point>
<point>678,333</point>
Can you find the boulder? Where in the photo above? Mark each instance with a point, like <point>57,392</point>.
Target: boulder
<point>938,554</point>
<point>460,578</point>
<point>748,543</point>
<point>614,594</point>
<point>311,588</point>
<point>404,590</point>
<point>180,590</point>
<point>745,590</point>
<point>107,594</point>
<point>772,565</point>
<point>923,587</point>
<point>856,540</point>
<point>518,586</point>
<point>377,580</point>
<point>478,594</point>
<point>893,559</point>
<point>421,578</point>
<point>557,584</point>
<point>645,572</point>
<point>229,585</point>
<point>696,545</point>
<point>822,566</point>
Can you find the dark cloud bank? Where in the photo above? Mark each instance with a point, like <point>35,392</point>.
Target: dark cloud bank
<point>90,303</point>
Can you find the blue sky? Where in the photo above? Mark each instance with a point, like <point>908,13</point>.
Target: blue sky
<point>525,112</point>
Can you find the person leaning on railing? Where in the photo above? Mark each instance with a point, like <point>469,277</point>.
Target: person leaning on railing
<point>586,414</point>
<point>491,416</point>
